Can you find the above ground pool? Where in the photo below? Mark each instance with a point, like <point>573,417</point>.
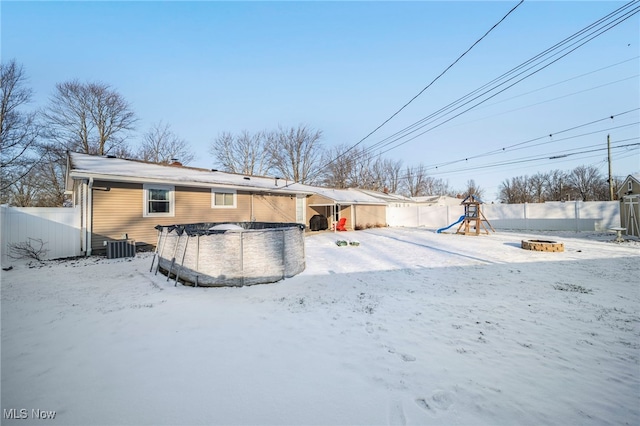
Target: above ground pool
<point>230,253</point>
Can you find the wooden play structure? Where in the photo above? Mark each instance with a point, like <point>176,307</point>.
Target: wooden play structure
<point>473,220</point>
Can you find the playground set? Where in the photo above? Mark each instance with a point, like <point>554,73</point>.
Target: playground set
<point>473,220</point>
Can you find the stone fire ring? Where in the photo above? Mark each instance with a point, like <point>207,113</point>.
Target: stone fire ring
<point>542,245</point>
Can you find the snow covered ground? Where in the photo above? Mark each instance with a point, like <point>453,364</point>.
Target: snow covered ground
<point>410,327</point>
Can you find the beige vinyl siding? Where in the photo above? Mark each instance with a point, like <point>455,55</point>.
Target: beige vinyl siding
<point>274,208</point>
<point>193,205</point>
<point>367,216</point>
<point>119,211</point>
<point>319,199</point>
<point>347,211</point>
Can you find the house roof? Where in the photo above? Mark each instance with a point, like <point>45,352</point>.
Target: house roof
<point>438,200</point>
<point>386,196</point>
<point>82,166</point>
<point>623,188</point>
<point>346,196</point>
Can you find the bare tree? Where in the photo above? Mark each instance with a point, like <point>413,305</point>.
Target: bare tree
<point>161,145</point>
<point>390,175</point>
<point>436,186</point>
<point>473,189</point>
<point>296,153</point>
<point>584,183</point>
<point>415,181</point>
<point>385,175</point>
<point>42,186</point>
<point>507,192</point>
<point>584,180</point>
<point>19,130</point>
<point>246,153</point>
<point>359,168</point>
<point>338,166</point>
<point>516,190</point>
<point>537,185</point>
<point>554,182</point>
<point>362,167</point>
<point>91,118</point>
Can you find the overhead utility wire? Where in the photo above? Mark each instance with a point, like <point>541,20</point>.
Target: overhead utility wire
<point>554,99</point>
<point>405,132</point>
<point>581,43</point>
<point>509,147</point>
<point>440,171</point>
<point>519,144</point>
<point>547,156</point>
<point>530,159</point>
<point>550,156</point>
<point>564,81</point>
<point>551,85</point>
<point>431,83</point>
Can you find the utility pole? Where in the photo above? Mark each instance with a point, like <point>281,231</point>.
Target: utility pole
<point>610,177</point>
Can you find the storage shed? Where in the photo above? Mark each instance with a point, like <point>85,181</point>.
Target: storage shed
<point>629,196</point>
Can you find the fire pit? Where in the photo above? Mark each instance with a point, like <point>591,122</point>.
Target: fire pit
<point>542,245</point>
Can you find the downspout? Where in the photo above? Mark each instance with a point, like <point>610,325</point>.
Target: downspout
<point>353,217</point>
<point>253,219</point>
<point>89,216</point>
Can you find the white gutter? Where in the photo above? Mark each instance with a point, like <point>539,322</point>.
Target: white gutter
<point>89,216</point>
<point>187,183</point>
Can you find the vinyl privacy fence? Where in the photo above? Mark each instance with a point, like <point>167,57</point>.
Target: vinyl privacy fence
<point>553,216</point>
<point>57,227</point>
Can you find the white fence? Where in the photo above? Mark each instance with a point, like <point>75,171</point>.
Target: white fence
<point>57,227</point>
<point>553,216</point>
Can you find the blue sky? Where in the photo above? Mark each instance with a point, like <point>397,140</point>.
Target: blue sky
<point>344,68</point>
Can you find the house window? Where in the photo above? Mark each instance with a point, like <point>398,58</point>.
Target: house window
<point>158,200</point>
<point>630,186</point>
<point>223,198</point>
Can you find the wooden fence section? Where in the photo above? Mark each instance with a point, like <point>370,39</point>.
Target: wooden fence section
<point>57,227</point>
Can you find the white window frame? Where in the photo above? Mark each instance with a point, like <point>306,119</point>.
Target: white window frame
<point>630,186</point>
<point>215,191</point>
<point>172,201</point>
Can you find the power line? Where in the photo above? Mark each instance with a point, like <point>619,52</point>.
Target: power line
<point>554,99</point>
<point>432,82</point>
<point>592,31</point>
<point>437,169</point>
<point>520,145</point>
<point>493,95</point>
<point>560,132</point>
<point>531,159</point>
<point>564,81</point>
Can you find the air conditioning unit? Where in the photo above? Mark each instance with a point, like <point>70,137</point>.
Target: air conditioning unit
<point>121,248</point>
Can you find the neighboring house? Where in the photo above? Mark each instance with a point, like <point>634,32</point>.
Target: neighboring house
<point>629,196</point>
<point>437,200</point>
<point>361,210</point>
<point>121,198</point>
<point>392,200</point>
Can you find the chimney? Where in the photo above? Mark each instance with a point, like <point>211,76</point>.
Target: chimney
<point>174,162</point>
